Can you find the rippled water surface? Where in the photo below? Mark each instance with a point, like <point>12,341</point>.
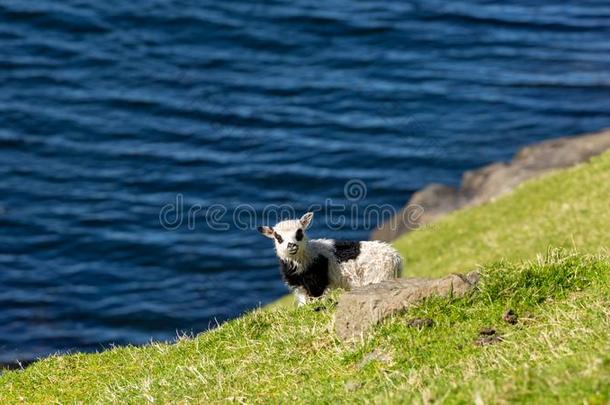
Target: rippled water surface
<point>109,109</point>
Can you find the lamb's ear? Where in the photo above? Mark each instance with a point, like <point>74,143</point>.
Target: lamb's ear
<point>306,220</point>
<point>266,231</point>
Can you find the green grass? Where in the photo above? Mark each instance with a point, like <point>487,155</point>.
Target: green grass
<point>557,353</point>
<point>569,208</point>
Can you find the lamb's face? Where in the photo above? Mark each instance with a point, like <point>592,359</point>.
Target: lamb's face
<point>289,236</point>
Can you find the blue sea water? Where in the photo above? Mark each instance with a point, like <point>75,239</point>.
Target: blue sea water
<point>111,110</point>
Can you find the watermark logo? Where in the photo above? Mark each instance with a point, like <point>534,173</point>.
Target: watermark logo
<point>355,190</point>
<point>348,213</point>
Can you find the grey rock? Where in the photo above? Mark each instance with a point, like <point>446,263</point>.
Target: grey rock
<point>489,182</point>
<point>360,309</point>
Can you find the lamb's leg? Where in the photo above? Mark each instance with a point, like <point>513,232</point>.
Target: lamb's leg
<point>300,296</point>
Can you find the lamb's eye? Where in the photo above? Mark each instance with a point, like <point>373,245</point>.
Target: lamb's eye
<point>299,235</point>
<point>279,238</point>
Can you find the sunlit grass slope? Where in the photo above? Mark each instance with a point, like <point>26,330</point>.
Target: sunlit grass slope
<point>569,208</point>
<point>557,352</point>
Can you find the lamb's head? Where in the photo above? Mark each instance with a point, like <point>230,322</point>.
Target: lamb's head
<point>289,236</point>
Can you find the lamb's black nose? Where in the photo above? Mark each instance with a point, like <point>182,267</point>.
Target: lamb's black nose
<point>292,246</point>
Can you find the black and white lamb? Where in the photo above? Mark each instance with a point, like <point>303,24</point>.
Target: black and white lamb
<point>310,267</point>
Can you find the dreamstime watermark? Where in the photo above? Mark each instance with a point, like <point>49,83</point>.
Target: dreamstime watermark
<point>350,213</point>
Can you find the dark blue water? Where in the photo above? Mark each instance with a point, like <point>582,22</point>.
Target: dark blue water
<point>110,109</point>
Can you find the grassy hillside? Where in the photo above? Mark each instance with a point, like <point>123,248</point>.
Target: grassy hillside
<point>558,351</point>
<point>569,208</point>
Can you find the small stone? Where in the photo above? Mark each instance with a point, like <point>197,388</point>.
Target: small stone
<point>510,317</point>
<point>420,323</point>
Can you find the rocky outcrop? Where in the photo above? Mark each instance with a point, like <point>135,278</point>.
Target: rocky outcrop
<point>361,308</point>
<point>484,184</point>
